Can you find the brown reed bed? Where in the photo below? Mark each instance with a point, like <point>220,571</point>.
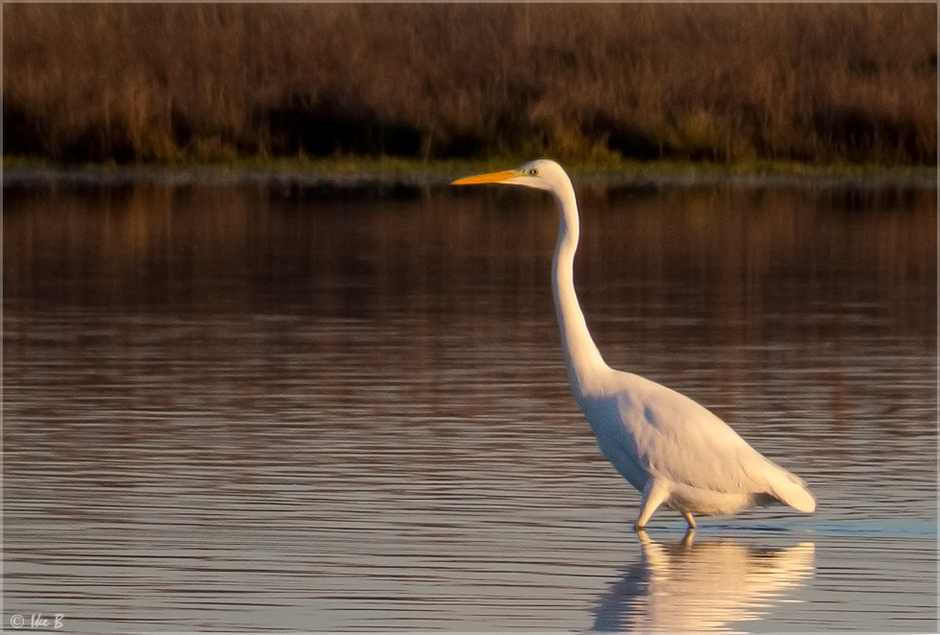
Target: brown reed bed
<point>726,83</point>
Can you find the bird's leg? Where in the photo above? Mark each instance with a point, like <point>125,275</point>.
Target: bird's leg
<point>689,519</point>
<point>653,495</point>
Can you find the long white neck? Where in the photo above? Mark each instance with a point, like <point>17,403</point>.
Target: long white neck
<point>583,359</point>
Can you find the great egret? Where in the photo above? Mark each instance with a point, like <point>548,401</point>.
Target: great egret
<point>671,449</point>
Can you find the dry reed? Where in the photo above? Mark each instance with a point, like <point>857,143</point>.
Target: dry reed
<point>725,82</point>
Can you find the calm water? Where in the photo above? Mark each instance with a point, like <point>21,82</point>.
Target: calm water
<point>278,406</point>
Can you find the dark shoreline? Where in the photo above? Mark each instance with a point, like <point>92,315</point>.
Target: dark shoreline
<point>441,174</point>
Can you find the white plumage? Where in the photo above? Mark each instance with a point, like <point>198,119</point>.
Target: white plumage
<point>670,448</point>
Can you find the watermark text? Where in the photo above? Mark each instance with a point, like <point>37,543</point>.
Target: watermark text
<point>38,621</point>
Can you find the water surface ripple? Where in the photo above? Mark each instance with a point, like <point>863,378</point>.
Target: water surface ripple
<point>261,408</point>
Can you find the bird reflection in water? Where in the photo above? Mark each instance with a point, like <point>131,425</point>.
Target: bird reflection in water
<point>704,586</point>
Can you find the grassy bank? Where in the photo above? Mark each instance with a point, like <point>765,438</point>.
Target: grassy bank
<point>383,170</point>
<point>727,85</point>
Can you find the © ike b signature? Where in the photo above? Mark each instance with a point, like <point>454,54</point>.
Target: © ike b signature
<point>38,621</point>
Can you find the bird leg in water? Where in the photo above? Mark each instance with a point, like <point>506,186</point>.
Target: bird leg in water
<point>690,520</point>
<point>653,496</point>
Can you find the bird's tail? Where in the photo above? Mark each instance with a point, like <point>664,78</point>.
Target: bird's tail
<point>791,490</point>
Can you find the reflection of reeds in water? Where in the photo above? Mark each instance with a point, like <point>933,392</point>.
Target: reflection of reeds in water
<point>715,82</point>
<point>751,266</point>
<point>706,586</point>
<point>175,244</point>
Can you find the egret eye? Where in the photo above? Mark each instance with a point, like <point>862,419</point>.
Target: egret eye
<point>533,172</point>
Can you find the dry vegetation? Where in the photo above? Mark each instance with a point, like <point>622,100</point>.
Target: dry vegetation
<point>727,83</point>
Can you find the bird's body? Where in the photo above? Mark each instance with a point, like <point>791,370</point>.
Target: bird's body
<point>670,448</point>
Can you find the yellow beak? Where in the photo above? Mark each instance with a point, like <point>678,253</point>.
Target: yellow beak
<point>492,177</point>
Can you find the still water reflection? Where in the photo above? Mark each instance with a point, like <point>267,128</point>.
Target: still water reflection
<point>284,406</point>
<point>703,587</point>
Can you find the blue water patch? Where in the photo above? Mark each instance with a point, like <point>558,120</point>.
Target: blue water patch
<point>883,528</point>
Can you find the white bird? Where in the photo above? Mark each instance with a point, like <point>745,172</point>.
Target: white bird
<point>671,449</point>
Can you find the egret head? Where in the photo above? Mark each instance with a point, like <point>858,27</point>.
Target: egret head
<point>542,174</point>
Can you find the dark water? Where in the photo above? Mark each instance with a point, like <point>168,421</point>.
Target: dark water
<point>287,407</point>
